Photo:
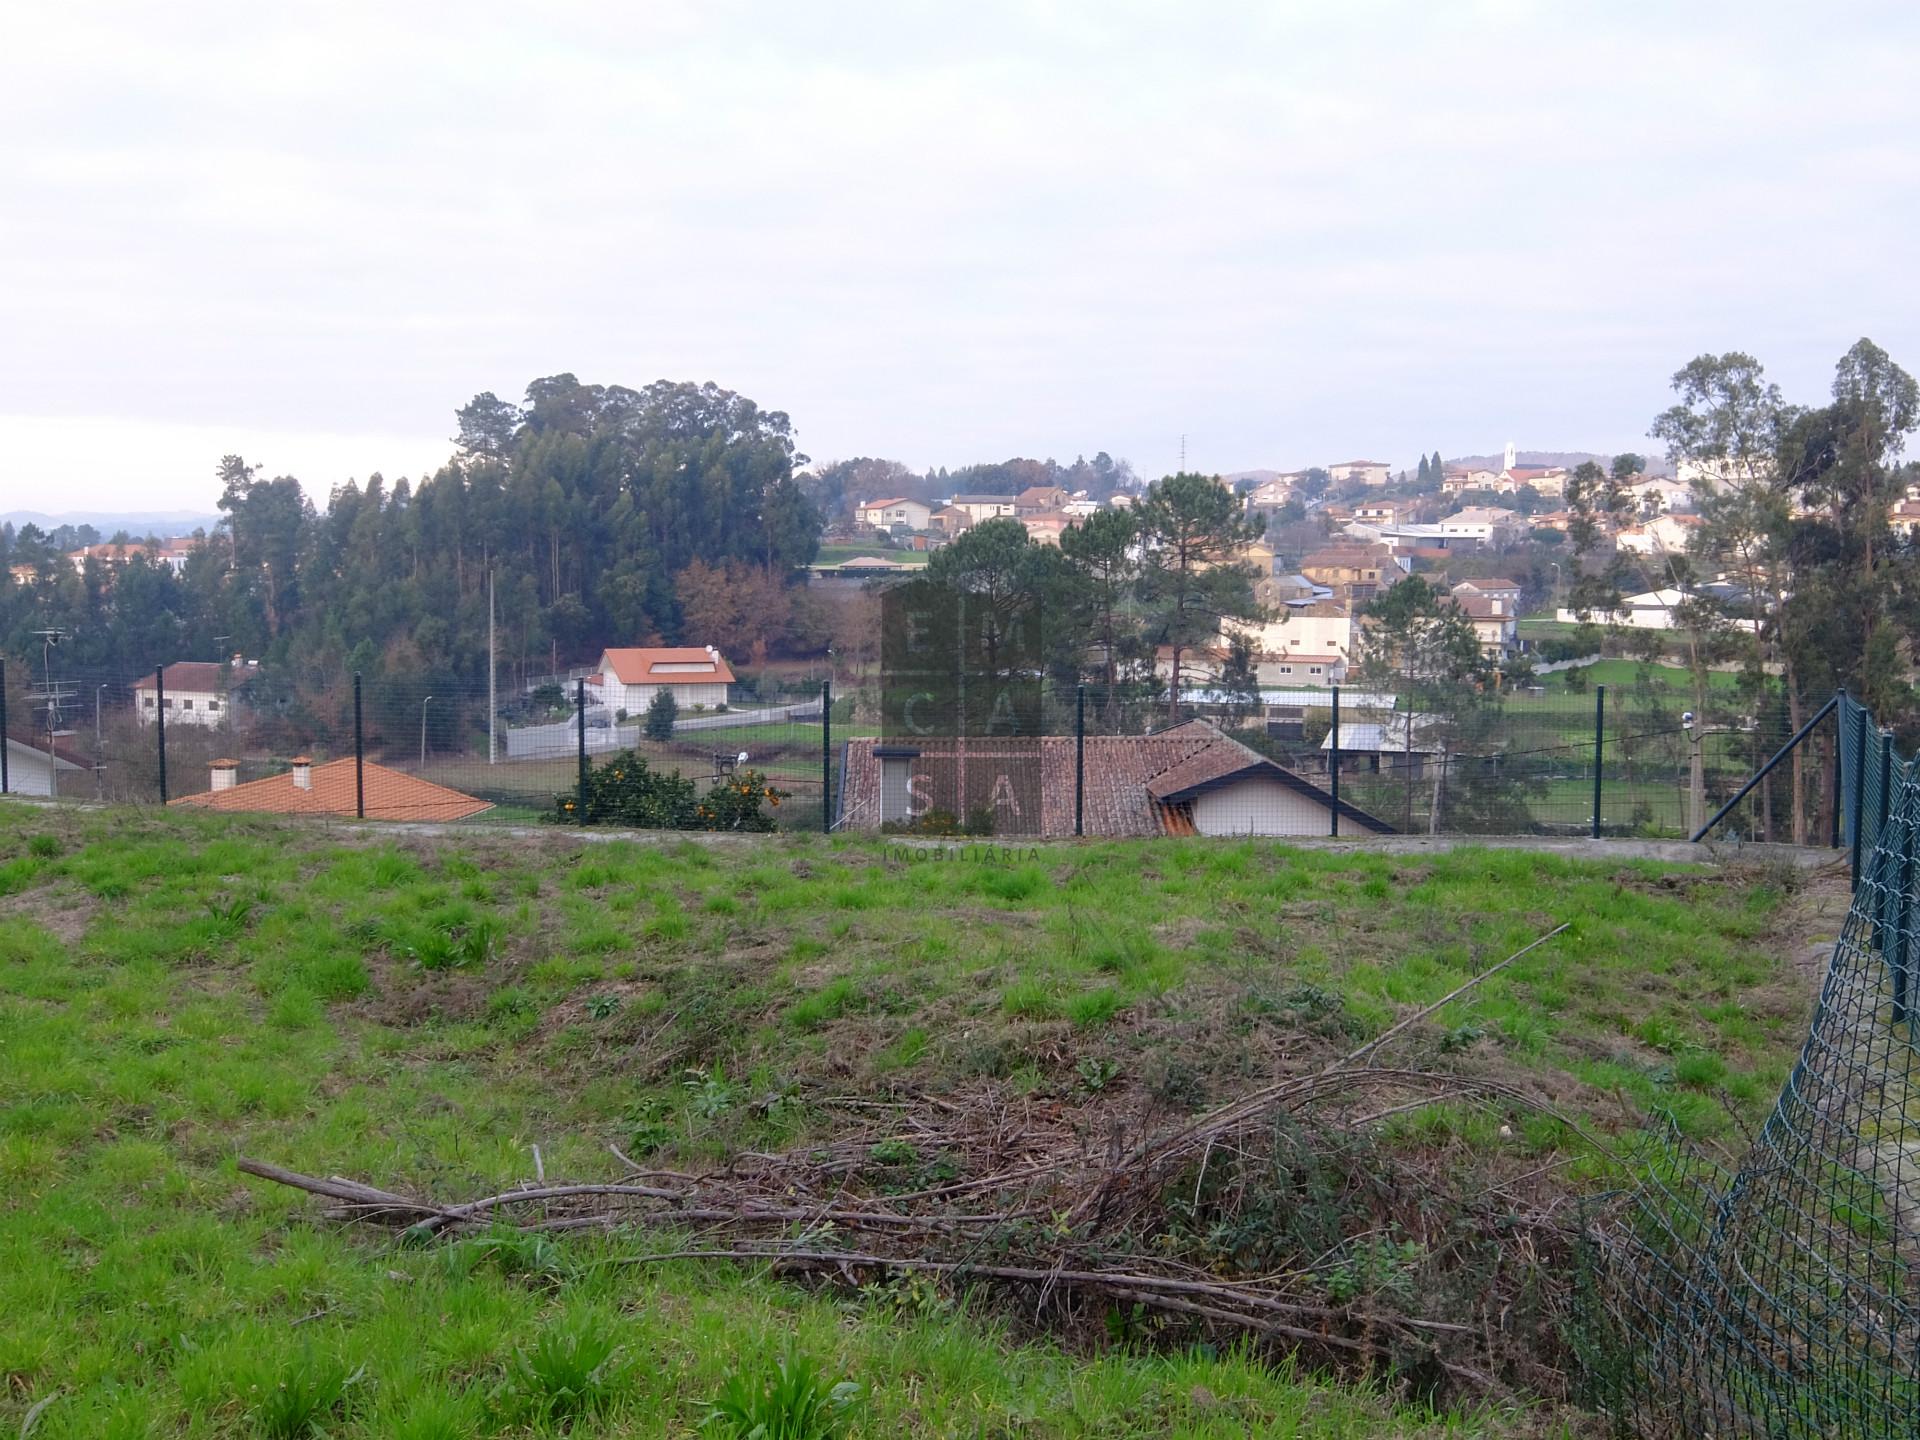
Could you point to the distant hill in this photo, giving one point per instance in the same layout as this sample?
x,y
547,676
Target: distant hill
x,y
1656,464
162,523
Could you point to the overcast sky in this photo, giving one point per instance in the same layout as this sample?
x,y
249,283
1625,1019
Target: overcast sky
x,y
1295,233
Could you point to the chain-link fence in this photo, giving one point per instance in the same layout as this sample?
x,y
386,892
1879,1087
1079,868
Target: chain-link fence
x,y
1781,1297
1602,759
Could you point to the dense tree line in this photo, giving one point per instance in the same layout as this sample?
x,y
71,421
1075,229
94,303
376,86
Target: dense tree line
x,y
601,512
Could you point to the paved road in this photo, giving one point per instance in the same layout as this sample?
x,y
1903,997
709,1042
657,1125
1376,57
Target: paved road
x,y
539,742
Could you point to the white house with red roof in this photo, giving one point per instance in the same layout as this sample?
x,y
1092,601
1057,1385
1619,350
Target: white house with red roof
x,y
896,510
692,674
196,692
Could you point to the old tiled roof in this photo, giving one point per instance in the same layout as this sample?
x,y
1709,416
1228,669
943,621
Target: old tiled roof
x,y
391,795
196,677
641,666
1136,785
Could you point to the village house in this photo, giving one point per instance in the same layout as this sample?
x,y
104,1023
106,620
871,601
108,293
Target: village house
x,y
1547,481
949,520
1040,500
1383,510
1289,589
1189,780
1494,624
1367,472
335,788
1662,535
1324,628
1653,495
1400,744
1503,591
1655,609
1354,572
1301,669
1045,527
1488,524
983,507
885,514
198,692
693,675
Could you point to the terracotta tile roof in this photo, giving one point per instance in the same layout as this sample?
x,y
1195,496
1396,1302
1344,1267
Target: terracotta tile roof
x,y
882,504
197,677
391,795
1136,785
642,666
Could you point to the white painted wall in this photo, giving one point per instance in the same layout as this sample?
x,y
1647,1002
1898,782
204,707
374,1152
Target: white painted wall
x,y
634,699
1258,806
184,707
28,770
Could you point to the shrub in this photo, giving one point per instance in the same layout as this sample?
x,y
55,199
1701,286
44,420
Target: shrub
x,y
625,790
309,1391
793,1403
662,711
570,1370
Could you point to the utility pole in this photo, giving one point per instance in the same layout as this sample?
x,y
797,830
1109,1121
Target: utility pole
x,y
423,730
493,707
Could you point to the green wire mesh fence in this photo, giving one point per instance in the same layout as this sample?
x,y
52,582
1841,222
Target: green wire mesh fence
x,y
1781,1298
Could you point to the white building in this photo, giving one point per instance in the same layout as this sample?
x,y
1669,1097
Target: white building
x,y
1318,630
198,692
1655,496
1662,535
630,678
1367,472
1486,523
885,514
34,770
984,507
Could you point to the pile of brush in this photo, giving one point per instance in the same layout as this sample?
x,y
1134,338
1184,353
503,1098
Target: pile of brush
x,y
1279,1216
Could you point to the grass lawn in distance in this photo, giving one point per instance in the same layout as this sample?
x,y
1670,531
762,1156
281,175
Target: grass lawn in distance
x,y
177,990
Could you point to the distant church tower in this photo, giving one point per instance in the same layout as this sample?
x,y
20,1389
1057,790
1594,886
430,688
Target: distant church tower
x,y
1509,457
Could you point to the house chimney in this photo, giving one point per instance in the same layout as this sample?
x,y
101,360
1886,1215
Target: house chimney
x,y
222,774
302,772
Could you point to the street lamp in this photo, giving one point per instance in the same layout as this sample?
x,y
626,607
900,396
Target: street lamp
x,y
423,730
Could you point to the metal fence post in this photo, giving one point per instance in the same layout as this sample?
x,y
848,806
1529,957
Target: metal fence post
x,y
1079,759
1839,773
1599,744
826,757
1857,812
3,727
1902,917
160,724
1333,768
359,756
580,728
1886,780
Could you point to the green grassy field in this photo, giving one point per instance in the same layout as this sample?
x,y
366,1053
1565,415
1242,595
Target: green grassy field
x,y
834,554
1624,674
178,990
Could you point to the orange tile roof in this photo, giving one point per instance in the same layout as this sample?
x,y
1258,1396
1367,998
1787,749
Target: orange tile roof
x,y
391,795
199,677
637,666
